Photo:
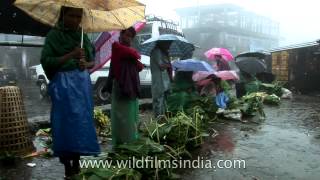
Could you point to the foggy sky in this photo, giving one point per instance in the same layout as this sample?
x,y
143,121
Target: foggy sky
x,y
299,20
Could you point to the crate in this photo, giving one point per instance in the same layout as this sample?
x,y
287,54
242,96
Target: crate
x,y
15,135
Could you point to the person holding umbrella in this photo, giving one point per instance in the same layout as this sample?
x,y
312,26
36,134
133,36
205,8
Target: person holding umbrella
x,y
161,71
159,49
65,64
221,64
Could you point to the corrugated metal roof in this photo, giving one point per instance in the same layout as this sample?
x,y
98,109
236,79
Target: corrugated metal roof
x,y
294,46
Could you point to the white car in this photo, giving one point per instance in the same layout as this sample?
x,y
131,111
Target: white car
x,y
37,74
155,27
98,80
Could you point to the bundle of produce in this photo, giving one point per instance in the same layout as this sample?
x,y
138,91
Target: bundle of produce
x,y
180,101
109,173
102,122
270,89
272,100
206,106
144,150
179,131
252,104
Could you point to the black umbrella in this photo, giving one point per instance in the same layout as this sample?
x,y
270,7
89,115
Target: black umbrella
x,y
251,65
15,21
260,55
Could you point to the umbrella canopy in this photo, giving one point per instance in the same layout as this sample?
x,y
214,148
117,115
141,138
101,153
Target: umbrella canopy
x,y
251,65
179,46
99,15
191,65
103,45
226,55
224,75
260,55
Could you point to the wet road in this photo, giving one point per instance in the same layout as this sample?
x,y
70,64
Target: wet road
x,y
36,106
285,146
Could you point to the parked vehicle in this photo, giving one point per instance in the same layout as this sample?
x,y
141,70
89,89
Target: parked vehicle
x,y
37,74
99,79
155,27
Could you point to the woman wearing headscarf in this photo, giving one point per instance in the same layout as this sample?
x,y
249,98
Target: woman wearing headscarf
x,y
65,65
125,67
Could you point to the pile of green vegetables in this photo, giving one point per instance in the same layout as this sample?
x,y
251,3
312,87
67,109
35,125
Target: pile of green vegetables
x,y
173,137
167,139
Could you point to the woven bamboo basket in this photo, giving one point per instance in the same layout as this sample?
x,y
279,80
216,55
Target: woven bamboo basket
x,y
15,136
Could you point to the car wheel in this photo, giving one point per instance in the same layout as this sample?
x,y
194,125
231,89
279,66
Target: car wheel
x,y
43,87
102,97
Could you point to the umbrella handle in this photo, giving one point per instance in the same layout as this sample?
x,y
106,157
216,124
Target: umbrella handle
x,y
81,45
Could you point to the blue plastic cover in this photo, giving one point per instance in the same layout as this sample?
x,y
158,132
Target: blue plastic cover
x,y
221,100
72,122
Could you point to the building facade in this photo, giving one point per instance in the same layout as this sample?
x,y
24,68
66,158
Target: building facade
x,y
228,26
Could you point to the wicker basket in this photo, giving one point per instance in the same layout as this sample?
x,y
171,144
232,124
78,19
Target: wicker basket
x,y
15,136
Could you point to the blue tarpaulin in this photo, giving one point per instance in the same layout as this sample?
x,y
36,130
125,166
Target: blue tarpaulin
x,y
72,123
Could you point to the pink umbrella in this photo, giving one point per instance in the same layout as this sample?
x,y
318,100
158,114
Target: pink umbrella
x,y
104,43
227,75
224,75
226,55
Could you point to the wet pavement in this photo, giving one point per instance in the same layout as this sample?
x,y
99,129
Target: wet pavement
x,y
37,107
285,146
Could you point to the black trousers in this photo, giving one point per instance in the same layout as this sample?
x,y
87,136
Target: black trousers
x,y
71,164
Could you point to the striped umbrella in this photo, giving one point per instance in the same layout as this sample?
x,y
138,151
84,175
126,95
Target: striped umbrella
x,y
179,46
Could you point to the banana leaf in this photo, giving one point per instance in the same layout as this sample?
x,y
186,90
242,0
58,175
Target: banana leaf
x,y
143,146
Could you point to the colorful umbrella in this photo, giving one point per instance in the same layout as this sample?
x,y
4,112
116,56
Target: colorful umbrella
x,y
104,43
99,15
191,65
179,46
224,75
226,55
